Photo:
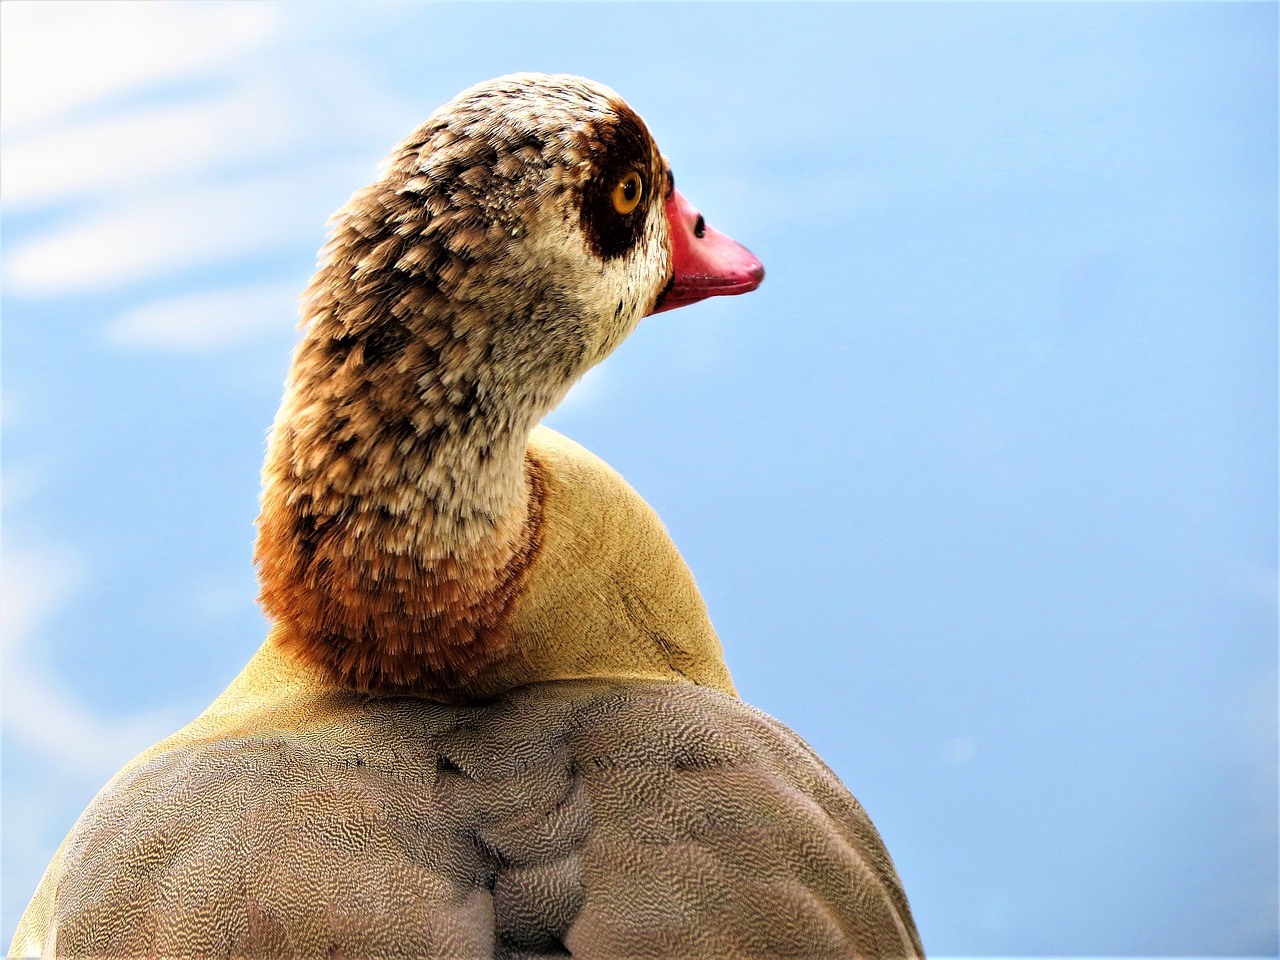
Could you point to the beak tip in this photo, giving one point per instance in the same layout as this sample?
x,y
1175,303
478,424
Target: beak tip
x,y
704,262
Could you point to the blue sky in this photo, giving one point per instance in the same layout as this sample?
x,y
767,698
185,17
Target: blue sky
x,y
980,486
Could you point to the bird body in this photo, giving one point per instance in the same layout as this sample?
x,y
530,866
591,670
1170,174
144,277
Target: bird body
x,y
492,717
580,818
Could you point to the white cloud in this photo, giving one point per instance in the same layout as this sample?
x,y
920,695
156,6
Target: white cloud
x,y
961,751
37,710
35,584
19,484
166,232
208,319
124,151
147,198
58,56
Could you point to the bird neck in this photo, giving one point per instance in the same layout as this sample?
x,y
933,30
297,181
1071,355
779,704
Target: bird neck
x,y
399,516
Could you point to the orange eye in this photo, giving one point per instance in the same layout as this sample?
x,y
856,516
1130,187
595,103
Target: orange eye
x,y
627,194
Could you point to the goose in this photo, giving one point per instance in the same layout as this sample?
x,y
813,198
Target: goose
x,y
491,718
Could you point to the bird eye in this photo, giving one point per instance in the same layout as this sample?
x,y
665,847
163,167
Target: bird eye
x,y
627,194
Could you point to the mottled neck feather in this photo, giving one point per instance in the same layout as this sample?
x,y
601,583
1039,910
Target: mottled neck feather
x,y
381,567
352,597
399,511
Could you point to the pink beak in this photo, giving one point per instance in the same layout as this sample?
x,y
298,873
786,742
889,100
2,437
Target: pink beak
x,y
704,262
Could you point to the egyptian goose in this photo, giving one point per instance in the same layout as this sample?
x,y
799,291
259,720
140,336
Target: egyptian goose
x,y
492,718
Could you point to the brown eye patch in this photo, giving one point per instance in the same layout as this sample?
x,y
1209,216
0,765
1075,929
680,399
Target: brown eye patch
x,y
625,151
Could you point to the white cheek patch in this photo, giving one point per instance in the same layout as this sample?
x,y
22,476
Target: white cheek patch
x,y
629,286
609,296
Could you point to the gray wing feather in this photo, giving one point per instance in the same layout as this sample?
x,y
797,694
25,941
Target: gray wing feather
x,y
564,819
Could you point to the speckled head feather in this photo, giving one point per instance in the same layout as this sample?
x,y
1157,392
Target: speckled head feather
x,y
458,299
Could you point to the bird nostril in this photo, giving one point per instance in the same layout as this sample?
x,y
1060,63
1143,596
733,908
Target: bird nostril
x,y
700,228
